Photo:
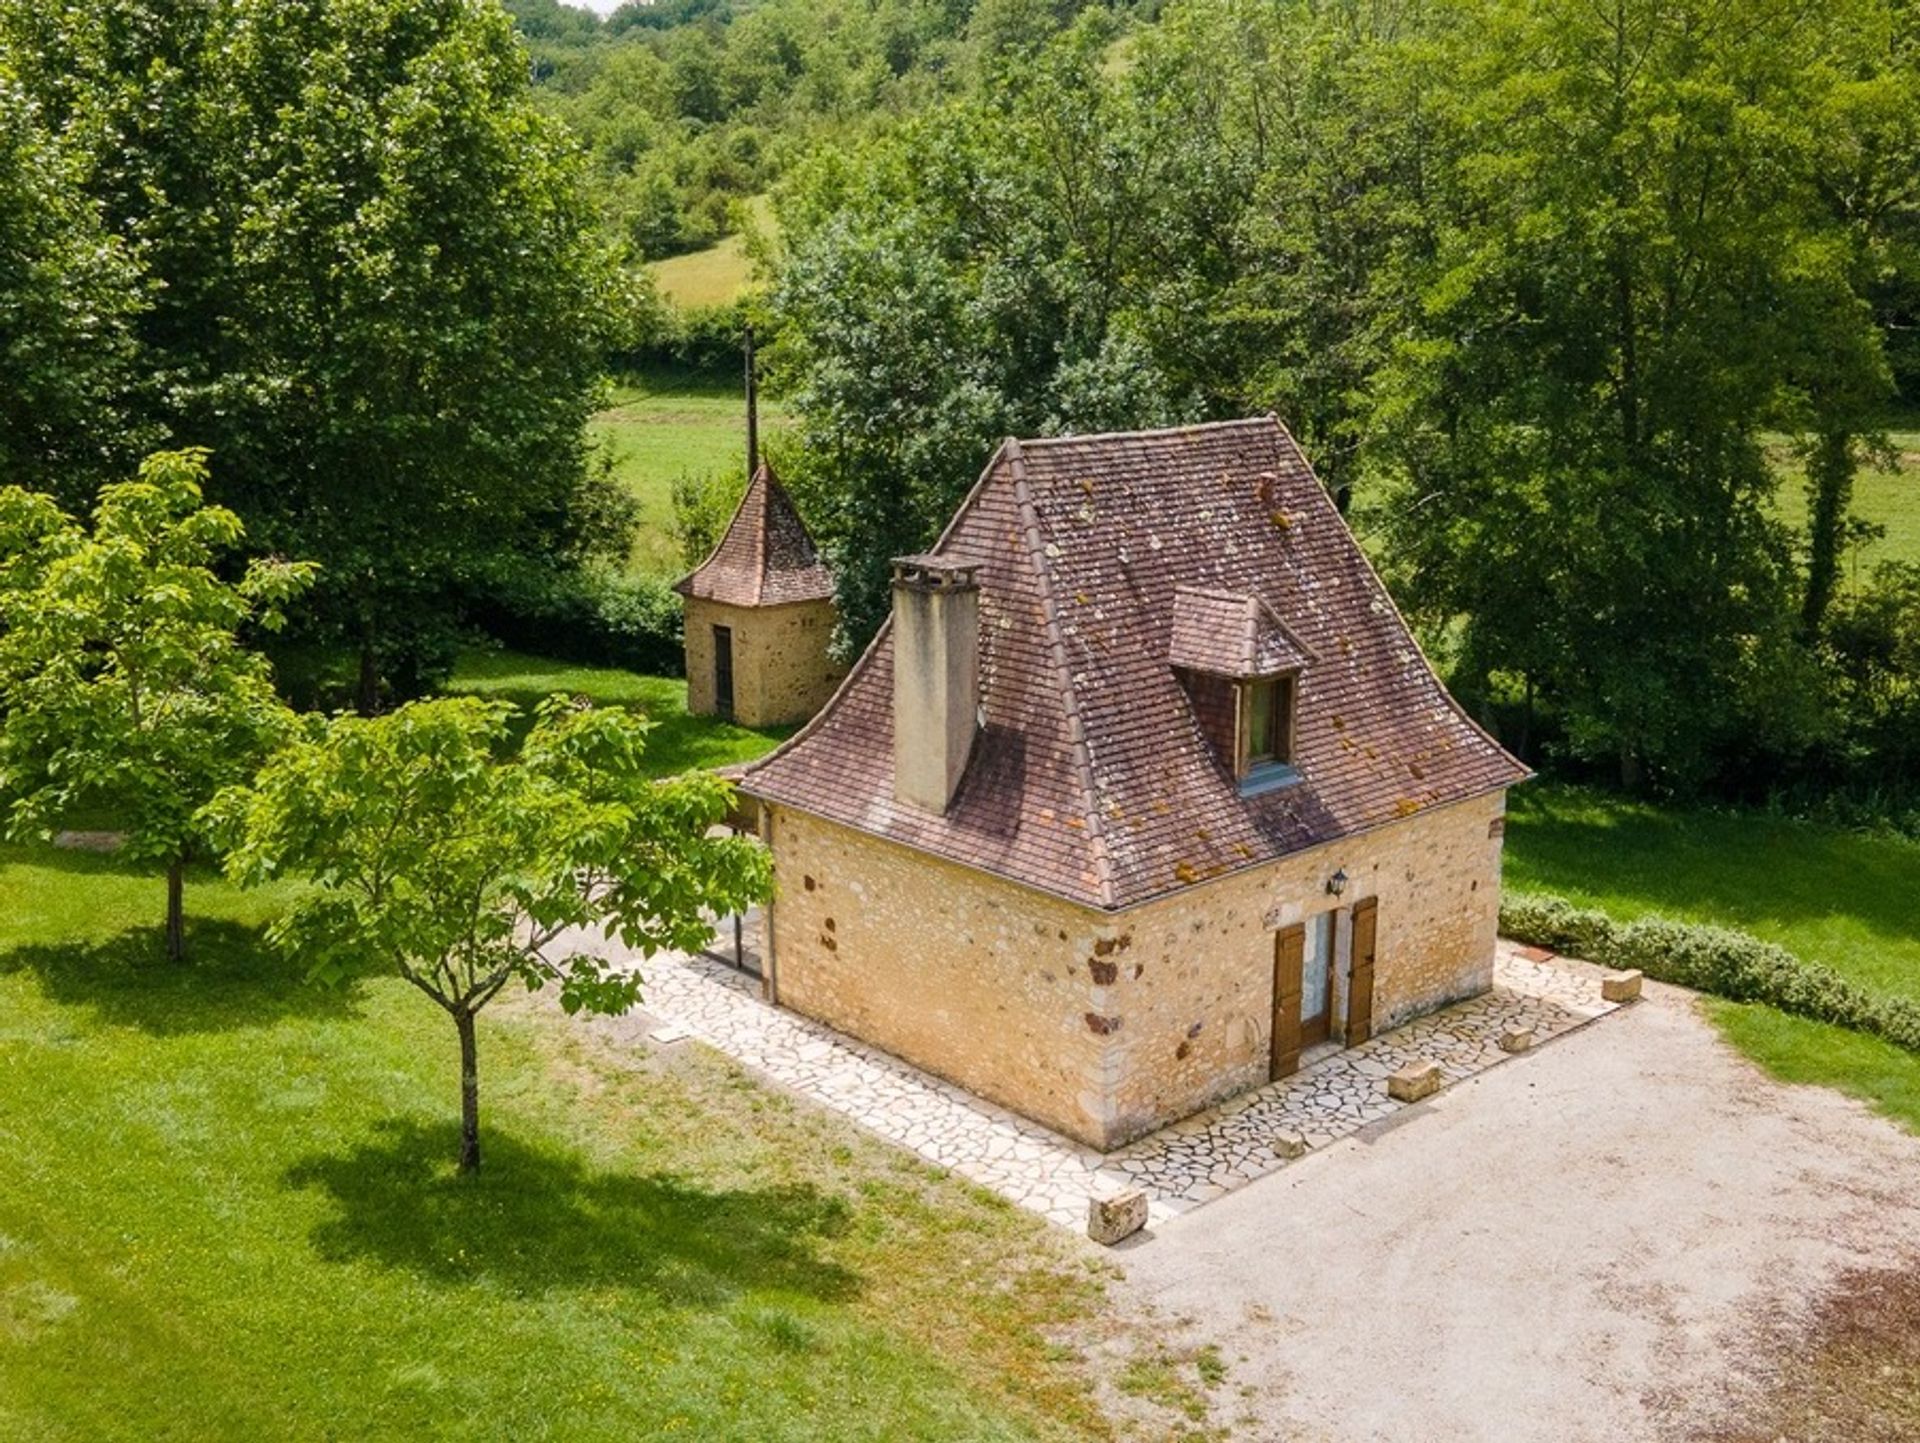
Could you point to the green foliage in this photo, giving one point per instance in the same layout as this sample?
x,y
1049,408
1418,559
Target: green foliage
x,y
678,741
435,857
377,290
125,688
1719,960
67,300
595,615
702,507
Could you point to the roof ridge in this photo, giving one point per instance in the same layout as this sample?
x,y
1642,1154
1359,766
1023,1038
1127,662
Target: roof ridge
x,y
1069,695
1191,428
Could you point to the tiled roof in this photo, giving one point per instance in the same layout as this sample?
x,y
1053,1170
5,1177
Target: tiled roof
x,y
1092,778
766,558
1230,633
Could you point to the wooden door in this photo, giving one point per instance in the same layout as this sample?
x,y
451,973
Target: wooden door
x,y
1360,981
723,670
1289,953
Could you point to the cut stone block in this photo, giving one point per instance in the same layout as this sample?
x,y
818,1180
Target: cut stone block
x,y
668,1034
1621,986
1109,1219
89,841
1414,1081
1516,1039
1287,1145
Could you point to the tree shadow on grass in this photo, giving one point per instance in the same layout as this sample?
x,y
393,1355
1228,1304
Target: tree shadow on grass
x,y
537,1218
230,980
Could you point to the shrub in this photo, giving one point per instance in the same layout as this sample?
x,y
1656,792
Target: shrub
x,y
595,615
1727,963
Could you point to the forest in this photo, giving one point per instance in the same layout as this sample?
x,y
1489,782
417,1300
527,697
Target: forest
x,y
1603,322
1598,315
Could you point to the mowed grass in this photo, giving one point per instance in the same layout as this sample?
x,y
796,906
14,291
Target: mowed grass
x,y
227,1211
1846,899
662,427
1843,899
677,742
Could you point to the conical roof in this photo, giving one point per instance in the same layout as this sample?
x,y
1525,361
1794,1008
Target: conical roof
x,y
766,557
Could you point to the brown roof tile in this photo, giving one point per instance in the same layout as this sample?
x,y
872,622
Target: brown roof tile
x,y
1091,778
1230,633
766,557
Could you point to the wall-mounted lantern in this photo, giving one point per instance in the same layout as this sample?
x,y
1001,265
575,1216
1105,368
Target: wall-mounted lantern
x,y
1337,883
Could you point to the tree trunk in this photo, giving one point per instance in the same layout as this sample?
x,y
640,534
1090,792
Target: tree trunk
x,y
469,1093
1633,774
176,910
366,699
1829,496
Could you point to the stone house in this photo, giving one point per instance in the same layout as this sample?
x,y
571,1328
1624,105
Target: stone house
x,y
760,616
1144,792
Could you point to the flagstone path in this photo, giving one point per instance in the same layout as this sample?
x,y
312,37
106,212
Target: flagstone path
x,y
1180,1167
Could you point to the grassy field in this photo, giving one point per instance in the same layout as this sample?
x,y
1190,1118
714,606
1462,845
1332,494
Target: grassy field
x,y
1886,496
717,275
1840,898
677,742
661,427
227,1211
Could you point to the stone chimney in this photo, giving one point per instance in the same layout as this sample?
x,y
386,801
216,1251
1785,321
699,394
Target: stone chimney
x,y
936,676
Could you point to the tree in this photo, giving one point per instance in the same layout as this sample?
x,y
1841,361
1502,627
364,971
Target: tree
x,y
67,297
124,684
463,871
379,294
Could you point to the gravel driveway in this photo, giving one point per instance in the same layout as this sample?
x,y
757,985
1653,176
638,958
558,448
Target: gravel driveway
x,y
1600,1241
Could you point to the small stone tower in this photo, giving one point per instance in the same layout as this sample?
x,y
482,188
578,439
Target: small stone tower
x,y
759,616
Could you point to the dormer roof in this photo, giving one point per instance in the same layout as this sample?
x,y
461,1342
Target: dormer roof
x,y
766,557
1092,777
1232,634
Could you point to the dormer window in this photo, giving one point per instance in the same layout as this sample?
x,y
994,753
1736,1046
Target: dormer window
x,y
1241,669
1266,709
1266,733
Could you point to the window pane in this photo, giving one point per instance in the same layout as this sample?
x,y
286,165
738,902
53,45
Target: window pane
x,y
1260,719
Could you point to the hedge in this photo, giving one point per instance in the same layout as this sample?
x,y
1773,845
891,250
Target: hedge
x,y
1735,965
593,615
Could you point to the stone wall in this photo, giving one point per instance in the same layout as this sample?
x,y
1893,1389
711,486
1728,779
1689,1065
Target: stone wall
x,y
1194,992
963,974
1101,1026
781,671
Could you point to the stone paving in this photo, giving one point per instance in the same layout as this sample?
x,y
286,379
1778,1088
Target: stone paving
x,y
1180,1167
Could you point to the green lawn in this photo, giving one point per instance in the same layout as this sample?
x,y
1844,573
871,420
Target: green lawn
x,y
662,427
227,1211
678,741
1849,900
1840,898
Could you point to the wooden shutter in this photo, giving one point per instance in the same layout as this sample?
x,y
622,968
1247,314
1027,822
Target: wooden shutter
x,y
1360,982
1289,952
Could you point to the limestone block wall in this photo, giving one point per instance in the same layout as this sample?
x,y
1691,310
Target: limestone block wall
x,y
781,671
1107,1026
959,972
1194,993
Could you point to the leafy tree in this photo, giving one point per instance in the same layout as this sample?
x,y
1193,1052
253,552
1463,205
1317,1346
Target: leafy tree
x,y
124,685
67,296
464,871
379,294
